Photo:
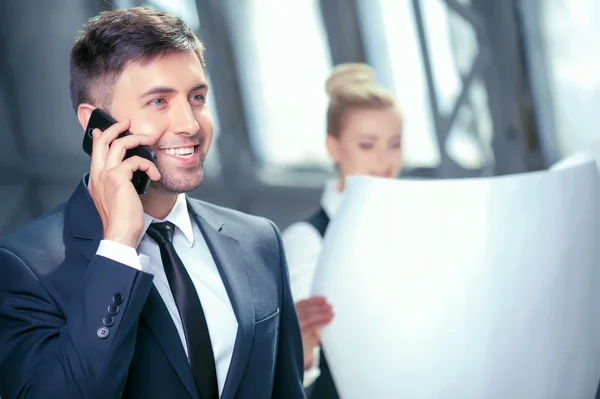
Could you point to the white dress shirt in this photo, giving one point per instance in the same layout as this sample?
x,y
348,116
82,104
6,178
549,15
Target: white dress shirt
x,y
303,244
195,255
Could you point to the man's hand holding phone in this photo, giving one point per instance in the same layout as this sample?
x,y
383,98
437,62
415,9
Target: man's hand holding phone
x,y
110,187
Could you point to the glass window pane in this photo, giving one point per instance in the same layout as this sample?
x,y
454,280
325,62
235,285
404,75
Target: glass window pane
x,y
184,9
285,62
409,83
570,33
469,141
453,47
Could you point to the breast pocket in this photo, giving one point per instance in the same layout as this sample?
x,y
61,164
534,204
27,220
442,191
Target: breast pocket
x,y
260,371
266,327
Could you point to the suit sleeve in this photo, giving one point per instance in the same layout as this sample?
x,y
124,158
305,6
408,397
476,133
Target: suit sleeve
x,y
47,351
290,365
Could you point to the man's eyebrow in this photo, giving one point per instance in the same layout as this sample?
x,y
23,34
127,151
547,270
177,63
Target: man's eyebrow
x,y
157,90
166,90
201,86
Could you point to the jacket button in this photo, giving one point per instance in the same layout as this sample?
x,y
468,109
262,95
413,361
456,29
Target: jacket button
x,y
118,298
113,310
103,332
108,321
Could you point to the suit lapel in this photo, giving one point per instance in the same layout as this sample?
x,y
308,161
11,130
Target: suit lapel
x,y
156,316
230,259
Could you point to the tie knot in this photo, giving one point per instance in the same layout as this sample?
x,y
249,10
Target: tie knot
x,y
161,232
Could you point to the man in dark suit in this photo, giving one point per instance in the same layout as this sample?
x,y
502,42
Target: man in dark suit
x,y
114,294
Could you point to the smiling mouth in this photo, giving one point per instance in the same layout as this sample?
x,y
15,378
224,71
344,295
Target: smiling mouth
x,y
181,152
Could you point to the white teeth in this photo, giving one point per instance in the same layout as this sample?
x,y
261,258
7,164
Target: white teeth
x,y
179,151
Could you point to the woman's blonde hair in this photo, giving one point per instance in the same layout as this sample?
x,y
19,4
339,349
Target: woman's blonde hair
x,y
353,85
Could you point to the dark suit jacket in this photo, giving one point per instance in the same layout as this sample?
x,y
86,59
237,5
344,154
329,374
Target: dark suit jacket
x,y
55,292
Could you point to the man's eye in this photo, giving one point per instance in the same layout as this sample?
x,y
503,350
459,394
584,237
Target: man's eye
x,y
199,97
158,101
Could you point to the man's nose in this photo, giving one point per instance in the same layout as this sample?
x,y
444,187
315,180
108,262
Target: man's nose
x,y
183,120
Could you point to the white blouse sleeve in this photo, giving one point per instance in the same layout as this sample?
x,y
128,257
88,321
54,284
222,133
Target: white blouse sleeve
x,y
302,244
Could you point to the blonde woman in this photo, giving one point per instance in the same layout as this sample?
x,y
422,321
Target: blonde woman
x,y
364,132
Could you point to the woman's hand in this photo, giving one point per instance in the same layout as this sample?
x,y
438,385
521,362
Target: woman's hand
x,y
313,314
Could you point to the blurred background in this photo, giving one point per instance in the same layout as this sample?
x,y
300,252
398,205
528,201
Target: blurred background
x,y
487,87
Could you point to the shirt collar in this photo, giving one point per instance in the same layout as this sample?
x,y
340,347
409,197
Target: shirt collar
x,y
331,197
179,216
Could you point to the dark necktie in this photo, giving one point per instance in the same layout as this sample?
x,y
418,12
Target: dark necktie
x,y
190,309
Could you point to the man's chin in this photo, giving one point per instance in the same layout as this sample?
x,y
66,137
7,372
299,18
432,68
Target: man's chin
x,y
177,185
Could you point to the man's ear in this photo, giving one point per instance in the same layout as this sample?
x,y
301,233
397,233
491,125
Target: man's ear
x,y
83,114
333,147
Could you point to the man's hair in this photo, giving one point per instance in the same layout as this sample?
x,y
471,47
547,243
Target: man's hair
x,y
113,39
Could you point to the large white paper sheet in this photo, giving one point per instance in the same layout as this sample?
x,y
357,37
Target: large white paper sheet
x,y
459,289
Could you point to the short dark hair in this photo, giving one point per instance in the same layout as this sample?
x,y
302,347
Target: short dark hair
x,y
113,39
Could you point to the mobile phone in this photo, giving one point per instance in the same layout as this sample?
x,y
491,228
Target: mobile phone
x,y
99,119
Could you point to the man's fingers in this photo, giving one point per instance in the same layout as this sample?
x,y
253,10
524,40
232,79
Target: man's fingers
x,y
101,143
119,147
130,165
